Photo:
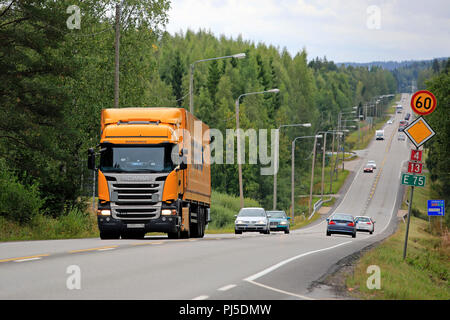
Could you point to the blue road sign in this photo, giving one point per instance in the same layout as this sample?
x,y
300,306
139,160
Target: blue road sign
x,y
436,208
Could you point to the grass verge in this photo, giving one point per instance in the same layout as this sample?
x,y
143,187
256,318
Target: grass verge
x,y
424,275
76,224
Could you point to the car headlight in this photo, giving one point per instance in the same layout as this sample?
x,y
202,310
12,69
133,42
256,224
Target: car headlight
x,y
283,222
239,222
261,222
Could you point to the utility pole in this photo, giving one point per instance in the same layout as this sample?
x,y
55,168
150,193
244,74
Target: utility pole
x,y
312,175
116,49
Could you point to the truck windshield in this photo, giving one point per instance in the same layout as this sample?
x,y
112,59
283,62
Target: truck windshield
x,y
137,158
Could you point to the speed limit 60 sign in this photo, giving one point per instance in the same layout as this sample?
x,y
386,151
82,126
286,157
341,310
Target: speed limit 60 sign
x,y
423,102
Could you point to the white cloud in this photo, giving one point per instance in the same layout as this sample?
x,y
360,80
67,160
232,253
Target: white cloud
x,y
335,28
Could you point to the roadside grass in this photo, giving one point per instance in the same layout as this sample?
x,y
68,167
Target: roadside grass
x,y
223,209
424,275
76,224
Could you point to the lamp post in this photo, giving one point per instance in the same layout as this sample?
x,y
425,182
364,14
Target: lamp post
x,y
191,76
323,155
238,135
275,174
343,141
293,169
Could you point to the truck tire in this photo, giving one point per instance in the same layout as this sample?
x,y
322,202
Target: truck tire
x,y
198,229
174,235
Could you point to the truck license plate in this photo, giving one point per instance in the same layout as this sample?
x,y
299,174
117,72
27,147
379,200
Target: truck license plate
x,y
135,225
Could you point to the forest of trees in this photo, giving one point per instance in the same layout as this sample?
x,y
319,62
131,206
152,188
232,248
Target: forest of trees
x,y
54,81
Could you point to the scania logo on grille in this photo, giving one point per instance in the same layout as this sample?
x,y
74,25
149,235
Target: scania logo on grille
x,y
135,178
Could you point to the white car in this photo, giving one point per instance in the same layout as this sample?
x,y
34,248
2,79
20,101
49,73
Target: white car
x,y
390,121
364,223
372,163
252,220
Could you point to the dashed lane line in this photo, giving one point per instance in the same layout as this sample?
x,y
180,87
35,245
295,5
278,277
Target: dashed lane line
x,y
28,258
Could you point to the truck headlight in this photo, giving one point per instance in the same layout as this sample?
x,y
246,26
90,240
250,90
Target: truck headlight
x,y
104,212
168,212
283,222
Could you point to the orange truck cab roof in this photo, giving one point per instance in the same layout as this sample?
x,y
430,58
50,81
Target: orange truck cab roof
x,y
140,125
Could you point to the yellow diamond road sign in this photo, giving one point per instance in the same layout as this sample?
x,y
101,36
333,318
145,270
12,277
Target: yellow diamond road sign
x,y
419,132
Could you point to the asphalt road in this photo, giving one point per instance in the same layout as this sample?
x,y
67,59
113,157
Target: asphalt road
x,y
224,266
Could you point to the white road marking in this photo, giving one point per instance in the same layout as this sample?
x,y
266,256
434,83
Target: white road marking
x,y
282,263
201,298
281,291
228,287
28,259
105,249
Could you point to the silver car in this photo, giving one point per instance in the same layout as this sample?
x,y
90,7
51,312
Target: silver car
x,y
372,163
364,223
252,220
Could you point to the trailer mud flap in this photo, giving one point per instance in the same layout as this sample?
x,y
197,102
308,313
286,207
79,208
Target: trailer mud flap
x,y
185,219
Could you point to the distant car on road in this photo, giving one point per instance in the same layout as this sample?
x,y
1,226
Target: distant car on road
x,y
401,137
368,168
364,223
408,115
390,121
278,221
372,163
341,223
253,220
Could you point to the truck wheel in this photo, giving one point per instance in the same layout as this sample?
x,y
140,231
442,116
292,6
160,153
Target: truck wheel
x,y
174,235
201,224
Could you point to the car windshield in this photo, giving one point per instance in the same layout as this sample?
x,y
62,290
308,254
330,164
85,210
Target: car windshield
x,y
362,219
277,214
250,212
122,158
340,216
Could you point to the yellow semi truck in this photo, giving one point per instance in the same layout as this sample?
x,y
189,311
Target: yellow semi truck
x,y
153,173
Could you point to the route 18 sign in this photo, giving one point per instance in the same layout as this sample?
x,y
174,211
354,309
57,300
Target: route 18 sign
x,y
423,102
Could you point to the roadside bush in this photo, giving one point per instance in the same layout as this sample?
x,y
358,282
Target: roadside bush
x,y
18,202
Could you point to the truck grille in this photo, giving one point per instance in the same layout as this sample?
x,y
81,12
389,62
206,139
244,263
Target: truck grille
x,y
136,200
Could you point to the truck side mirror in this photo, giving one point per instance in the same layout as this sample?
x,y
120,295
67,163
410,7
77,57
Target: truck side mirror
x,y
91,159
183,162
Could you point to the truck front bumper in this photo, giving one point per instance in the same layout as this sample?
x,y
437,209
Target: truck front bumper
x,y
161,224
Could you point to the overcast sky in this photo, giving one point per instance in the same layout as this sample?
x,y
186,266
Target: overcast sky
x,y
341,30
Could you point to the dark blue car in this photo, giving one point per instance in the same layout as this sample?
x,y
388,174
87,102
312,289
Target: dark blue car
x,y
341,223
278,221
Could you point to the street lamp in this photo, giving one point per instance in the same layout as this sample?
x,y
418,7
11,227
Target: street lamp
x,y
323,154
293,168
241,187
191,76
275,174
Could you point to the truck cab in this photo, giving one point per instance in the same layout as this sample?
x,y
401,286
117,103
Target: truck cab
x,y
379,135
